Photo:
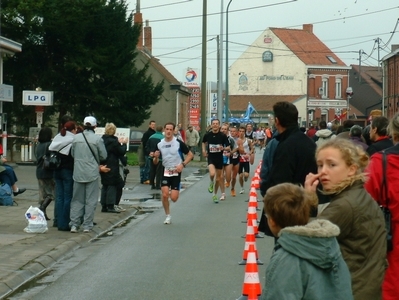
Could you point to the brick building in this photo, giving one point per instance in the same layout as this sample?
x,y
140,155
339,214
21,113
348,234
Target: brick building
x,y
390,65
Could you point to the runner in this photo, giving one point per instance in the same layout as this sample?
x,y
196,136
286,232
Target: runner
x,y
227,161
213,145
245,149
235,160
261,135
171,151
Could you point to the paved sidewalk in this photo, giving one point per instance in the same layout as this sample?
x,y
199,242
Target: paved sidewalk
x,y
24,256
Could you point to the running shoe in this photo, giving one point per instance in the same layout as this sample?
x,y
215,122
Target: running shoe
x,y
74,229
223,197
86,230
242,191
119,208
168,220
227,184
215,199
233,193
210,188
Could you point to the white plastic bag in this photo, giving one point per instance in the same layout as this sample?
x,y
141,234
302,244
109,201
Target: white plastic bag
x,y
36,221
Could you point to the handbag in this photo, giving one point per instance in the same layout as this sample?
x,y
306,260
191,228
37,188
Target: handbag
x,y
385,208
52,159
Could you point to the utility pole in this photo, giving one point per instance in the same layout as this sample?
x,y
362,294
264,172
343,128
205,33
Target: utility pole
x,y
203,74
220,99
360,65
220,69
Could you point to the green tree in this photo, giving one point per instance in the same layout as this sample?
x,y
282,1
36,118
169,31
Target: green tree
x,y
83,51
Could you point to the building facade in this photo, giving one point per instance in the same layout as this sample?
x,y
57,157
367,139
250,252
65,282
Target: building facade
x,y
292,64
390,65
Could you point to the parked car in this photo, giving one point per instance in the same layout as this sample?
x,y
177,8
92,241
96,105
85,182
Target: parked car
x,y
135,139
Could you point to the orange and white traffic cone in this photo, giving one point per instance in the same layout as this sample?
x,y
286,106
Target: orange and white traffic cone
x,y
250,241
251,289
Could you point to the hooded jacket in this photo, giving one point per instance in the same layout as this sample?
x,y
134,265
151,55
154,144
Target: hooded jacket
x,y
323,135
307,264
362,238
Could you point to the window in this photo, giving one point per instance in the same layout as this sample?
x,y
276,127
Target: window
x,y
338,88
324,85
331,59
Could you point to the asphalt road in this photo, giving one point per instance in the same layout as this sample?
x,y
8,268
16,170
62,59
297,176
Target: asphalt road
x,y
196,257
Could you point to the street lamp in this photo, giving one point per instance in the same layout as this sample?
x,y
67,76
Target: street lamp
x,y
349,94
227,61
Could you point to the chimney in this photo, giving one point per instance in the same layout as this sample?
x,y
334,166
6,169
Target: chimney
x,y
148,37
308,27
138,19
394,47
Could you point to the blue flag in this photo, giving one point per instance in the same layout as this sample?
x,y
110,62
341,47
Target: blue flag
x,y
250,110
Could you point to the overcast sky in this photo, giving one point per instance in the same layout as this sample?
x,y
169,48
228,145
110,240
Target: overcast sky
x,y
345,26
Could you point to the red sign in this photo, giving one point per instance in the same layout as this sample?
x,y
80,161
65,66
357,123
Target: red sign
x,y
195,107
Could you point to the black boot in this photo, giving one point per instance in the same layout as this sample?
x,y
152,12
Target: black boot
x,y
104,208
46,202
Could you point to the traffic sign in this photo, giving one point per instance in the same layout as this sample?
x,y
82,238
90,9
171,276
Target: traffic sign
x,y
6,93
41,98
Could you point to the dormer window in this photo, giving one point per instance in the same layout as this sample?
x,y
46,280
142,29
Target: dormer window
x,y
331,59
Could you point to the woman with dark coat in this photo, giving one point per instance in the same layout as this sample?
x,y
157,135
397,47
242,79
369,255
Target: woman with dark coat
x,y
111,180
44,177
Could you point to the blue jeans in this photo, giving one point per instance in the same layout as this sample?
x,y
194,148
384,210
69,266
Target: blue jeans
x,y
63,191
8,176
145,171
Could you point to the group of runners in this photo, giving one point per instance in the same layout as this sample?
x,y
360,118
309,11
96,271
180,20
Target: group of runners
x,y
229,151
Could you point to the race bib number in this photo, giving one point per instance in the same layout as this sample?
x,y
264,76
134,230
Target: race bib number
x,y
235,155
170,172
214,148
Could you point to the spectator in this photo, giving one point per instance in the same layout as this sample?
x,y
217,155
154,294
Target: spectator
x,y
182,133
323,134
192,139
307,262
44,177
112,180
311,131
294,155
379,136
362,238
347,125
156,170
355,135
88,151
145,170
390,286
63,176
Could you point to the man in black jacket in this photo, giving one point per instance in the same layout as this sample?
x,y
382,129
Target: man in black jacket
x,y
145,170
294,156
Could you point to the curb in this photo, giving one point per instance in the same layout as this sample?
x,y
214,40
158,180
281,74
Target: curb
x,y
44,262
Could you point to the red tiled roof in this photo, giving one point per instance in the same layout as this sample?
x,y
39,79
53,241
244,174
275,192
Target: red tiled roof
x,y
307,46
262,103
160,68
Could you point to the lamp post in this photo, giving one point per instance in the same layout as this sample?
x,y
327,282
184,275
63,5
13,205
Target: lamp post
x,y
227,61
349,94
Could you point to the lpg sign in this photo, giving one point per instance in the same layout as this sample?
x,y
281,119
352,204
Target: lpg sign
x,y
39,98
